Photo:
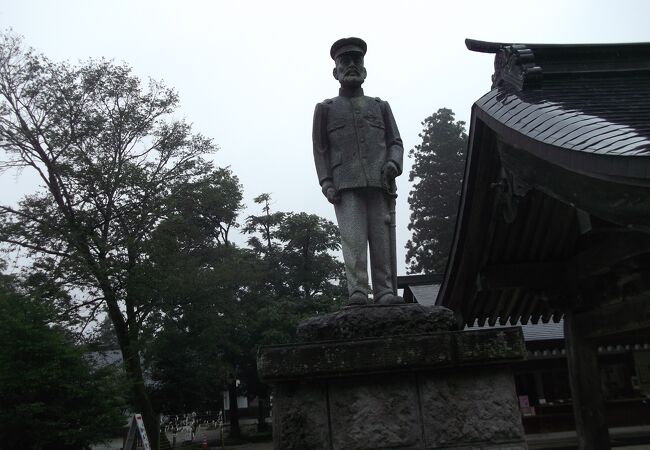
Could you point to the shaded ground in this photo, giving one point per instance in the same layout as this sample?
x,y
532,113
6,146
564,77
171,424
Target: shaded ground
x,y
627,438
256,446
269,446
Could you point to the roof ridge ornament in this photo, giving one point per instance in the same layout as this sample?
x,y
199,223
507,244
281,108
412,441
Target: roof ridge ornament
x,y
515,65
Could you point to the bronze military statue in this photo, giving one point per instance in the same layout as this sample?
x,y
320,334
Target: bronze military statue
x,y
358,153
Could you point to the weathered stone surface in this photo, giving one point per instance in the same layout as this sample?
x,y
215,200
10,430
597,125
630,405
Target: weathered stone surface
x,y
449,390
389,354
341,358
517,446
376,321
300,419
375,414
469,408
489,345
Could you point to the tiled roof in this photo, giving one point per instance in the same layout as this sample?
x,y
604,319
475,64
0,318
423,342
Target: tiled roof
x,y
426,295
558,169
602,115
592,99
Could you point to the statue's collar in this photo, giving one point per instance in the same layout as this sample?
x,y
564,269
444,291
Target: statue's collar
x,y
351,92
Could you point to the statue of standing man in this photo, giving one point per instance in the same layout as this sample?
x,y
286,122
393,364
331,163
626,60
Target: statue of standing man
x,y
358,153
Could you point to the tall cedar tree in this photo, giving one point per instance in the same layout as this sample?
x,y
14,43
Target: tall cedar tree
x,y
109,157
437,173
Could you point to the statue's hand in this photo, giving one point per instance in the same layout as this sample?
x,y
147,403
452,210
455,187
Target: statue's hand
x,y
388,174
332,195
329,191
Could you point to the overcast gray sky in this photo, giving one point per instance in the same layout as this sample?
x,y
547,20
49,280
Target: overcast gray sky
x,y
250,72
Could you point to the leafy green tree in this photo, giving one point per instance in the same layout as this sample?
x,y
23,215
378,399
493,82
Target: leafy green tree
x,y
297,276
265,224
312,272
437,176
196,336
51,398
103,336
111,159
198,277
296,252
209,206
198,341
218,303
309,281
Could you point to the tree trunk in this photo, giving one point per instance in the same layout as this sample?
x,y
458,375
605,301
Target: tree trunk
x,y
141,400
235,431
262,402
133,369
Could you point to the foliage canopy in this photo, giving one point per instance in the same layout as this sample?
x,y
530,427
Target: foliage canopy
x,y
50,395
110,158
131,221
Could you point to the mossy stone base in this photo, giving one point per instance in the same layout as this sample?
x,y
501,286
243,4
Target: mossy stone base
x,y
444,390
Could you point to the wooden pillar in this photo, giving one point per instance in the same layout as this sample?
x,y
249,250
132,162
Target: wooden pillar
x,y
586,391
539,386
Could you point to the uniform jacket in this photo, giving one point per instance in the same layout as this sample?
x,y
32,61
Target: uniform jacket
x,y
353,137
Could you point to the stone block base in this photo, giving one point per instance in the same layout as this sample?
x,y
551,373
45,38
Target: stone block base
x,y
451,410
446,390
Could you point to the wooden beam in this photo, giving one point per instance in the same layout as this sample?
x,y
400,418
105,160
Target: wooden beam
x,y
548,276
600,257
584,221
521,306
556,275
527,313
586,392
513,306
625,315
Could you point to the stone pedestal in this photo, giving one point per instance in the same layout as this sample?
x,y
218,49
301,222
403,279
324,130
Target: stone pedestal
x,y
429,389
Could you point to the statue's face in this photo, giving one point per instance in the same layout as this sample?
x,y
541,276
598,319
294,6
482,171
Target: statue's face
x,y
349,69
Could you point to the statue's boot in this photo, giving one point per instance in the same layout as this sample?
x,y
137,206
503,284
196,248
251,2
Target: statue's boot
x,y
357,299
390,299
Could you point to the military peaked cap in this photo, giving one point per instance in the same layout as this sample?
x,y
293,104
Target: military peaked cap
x,y
345,45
